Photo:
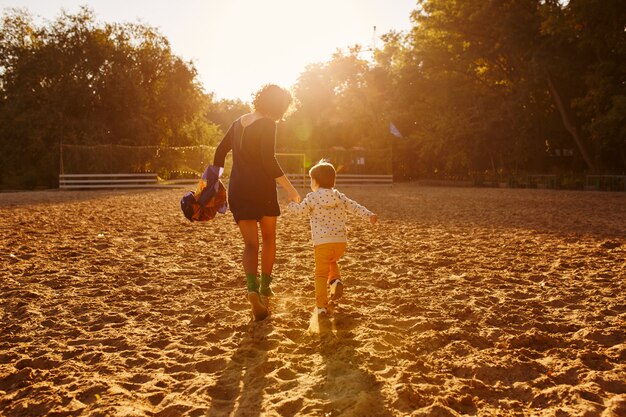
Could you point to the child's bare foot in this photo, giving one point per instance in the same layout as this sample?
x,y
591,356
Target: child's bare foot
x,y
259,311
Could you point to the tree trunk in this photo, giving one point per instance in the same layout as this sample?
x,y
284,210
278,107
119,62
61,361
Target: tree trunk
x,y
567,122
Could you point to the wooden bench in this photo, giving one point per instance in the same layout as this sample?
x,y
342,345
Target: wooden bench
x,y
85,181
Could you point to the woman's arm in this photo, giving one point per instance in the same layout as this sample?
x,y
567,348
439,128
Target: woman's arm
x,y
223,148
270,164
292,193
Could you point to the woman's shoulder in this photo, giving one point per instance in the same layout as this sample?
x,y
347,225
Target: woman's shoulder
x,y
250,119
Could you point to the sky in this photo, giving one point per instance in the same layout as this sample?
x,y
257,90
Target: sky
x,y
239,45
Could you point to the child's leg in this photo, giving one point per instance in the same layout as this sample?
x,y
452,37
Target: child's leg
x,y
334,274
337,250
326,257
322,268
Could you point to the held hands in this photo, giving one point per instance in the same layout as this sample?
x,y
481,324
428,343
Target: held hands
x,y
373,219
294,196
292,193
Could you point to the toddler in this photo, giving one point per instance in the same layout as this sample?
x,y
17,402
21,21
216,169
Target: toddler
x,y
327,210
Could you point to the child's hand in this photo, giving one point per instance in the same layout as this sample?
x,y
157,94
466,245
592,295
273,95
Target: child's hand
x,y
373,219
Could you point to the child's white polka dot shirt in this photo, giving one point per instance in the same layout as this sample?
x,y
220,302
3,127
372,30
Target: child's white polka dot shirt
x,y
327,209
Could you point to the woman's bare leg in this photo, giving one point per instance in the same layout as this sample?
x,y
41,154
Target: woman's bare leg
x,y
268,237
250,234
268,254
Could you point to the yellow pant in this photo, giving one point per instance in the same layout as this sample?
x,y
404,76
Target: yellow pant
x,y
326,269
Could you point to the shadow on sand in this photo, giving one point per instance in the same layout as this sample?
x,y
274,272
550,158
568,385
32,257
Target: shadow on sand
x,y
348,389
239,389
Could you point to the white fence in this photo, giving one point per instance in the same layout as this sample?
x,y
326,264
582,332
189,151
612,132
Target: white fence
x,y
151,180
346,180
111,181
83,181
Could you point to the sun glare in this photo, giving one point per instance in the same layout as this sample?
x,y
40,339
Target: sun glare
x,y
274,41
239,45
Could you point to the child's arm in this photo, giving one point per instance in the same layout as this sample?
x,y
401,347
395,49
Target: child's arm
x,y
357,209
302,207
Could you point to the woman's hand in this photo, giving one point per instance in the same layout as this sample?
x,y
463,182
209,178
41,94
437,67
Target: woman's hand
x,y
294,196
292,193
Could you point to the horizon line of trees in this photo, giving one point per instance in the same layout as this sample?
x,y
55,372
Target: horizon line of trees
x,y
479,87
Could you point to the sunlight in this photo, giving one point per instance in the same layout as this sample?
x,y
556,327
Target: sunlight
x,y
239,45
322,325
274,41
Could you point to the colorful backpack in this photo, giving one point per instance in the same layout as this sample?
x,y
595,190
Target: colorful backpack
x,y
208,199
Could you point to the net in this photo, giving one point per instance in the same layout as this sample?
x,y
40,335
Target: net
x,y
354,161
179,162
168,162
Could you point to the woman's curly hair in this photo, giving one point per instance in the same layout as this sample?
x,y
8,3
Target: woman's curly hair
x,y
272,101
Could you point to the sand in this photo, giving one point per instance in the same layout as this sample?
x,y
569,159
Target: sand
x,y
460,302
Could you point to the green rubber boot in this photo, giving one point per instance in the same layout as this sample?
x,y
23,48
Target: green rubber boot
x,y
265,289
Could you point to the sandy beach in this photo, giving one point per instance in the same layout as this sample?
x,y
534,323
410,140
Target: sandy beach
x,y
460,302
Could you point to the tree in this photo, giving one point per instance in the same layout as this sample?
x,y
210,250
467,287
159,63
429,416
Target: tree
x,y
340,113
82,82
224,112
503,85
589,36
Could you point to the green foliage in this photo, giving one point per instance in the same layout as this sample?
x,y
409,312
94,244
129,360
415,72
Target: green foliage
x,y
475,89
223,112
490,89
340,115
79,81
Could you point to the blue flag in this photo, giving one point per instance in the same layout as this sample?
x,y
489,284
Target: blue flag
x,y
394,130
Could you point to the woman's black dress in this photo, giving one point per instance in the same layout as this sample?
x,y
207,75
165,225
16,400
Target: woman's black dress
x,y
252,184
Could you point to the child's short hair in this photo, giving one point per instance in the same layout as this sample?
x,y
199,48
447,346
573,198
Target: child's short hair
x,y
324,174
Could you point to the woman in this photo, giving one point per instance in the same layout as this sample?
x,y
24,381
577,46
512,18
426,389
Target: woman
x,y
252,196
